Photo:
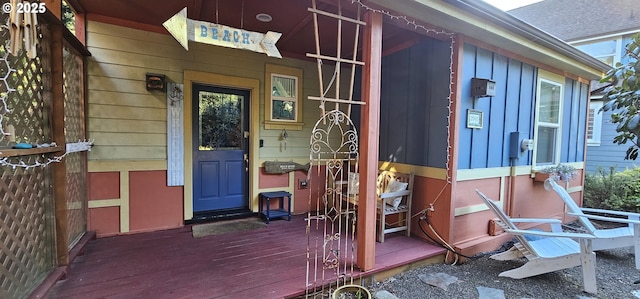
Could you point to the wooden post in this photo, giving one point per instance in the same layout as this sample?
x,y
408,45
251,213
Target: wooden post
x,y
55,6
369,139
57,127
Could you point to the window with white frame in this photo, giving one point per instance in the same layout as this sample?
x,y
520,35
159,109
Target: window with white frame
x,y
283,100
594,123
608,51
548,119
283,97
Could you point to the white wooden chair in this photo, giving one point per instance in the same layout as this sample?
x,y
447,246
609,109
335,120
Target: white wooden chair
x,y
396,190
605,238
555,250
394,193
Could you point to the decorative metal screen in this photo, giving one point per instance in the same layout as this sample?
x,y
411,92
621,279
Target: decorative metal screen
x,y
331,224
331,254
74,131
27,243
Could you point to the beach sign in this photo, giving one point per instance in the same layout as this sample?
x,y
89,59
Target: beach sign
x,y
184,30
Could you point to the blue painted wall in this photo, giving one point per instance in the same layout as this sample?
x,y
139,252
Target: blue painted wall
x,y
414,105
512,110
608,154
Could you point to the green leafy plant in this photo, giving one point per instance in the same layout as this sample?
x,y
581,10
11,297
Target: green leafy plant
x,y
560,172
68,17
607,189
623,98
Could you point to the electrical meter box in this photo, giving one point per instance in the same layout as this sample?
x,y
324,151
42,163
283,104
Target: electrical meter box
x,y
519,142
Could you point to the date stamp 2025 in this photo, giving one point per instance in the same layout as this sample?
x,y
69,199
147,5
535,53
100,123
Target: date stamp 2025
x,y
24,7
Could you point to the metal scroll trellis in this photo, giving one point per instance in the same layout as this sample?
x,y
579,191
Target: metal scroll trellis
x,y
331,230
331,227
334,152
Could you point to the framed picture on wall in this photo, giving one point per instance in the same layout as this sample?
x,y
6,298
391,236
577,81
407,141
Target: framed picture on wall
x,y
475,119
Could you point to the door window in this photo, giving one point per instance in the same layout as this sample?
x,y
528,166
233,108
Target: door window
x,y
220,120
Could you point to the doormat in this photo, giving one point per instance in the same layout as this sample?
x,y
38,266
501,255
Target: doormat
x,y
225,227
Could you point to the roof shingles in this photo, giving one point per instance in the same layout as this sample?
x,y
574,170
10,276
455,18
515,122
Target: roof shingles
x,y
572,20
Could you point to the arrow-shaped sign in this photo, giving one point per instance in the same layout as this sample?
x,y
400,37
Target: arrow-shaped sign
x,y
184,30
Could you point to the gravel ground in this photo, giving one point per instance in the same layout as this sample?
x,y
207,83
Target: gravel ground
x,y
615,271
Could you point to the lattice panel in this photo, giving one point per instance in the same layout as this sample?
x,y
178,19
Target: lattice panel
x,y
28,104
74,130
26,229
73,95
27,249
76,196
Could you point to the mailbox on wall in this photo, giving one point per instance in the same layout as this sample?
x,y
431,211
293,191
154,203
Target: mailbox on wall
x,y
482,87
155,82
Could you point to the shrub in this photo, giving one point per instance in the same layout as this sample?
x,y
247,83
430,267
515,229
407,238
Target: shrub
x,y
613,190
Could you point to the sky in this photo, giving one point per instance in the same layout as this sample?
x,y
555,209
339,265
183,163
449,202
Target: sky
x,y
510,4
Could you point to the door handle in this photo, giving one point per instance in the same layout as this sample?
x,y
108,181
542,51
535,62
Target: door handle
x,y
246,162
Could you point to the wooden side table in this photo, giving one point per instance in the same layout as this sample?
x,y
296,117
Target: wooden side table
x,y
281,212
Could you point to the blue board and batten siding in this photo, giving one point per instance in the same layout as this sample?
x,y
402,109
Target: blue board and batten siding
x,y
608,154
512,110
574,121
414,105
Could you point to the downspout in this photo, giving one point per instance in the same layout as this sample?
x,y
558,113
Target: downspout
x,y
512,187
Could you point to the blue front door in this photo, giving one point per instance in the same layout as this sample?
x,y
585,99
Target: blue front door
x,y
220,149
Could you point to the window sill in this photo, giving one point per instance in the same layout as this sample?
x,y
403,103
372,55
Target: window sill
x,y
279,125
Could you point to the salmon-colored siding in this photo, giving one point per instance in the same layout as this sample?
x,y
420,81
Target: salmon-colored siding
x,y
153,205
104,221
103,185
270,180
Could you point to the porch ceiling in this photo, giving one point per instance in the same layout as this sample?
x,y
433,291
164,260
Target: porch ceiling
x,y
290,17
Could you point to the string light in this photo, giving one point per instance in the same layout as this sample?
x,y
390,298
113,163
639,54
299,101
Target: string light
x,y
4,109
451,36
70,148
409,22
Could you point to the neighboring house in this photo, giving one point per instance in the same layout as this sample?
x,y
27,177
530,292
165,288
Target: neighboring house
x,y
455,91
601,28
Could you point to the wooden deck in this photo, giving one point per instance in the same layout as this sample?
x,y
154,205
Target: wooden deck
x,y
264,263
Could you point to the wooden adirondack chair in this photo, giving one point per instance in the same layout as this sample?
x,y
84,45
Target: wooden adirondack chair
x,y
555,250
605,238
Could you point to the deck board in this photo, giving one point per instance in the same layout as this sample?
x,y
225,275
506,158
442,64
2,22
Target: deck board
x,y
263,263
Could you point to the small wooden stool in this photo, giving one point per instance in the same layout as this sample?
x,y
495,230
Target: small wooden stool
x,y
281,212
